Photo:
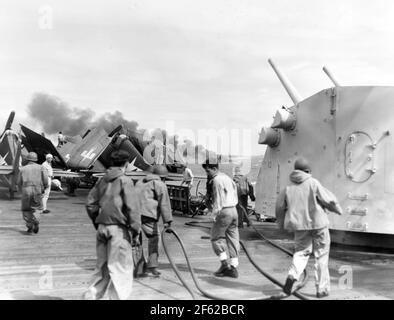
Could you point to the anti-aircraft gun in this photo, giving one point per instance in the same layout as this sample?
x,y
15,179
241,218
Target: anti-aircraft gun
x,y
346,134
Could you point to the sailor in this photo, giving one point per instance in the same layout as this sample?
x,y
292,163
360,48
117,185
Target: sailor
x,y
187,176
224,232
47,165
32,180
113,207
244,190
301,208
208,194
72,184
60,139
154,202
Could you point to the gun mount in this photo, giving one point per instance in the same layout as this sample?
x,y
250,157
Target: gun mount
x,y
345,134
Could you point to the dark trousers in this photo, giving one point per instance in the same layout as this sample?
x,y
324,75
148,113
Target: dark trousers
x,y
242,214
31,205
151,230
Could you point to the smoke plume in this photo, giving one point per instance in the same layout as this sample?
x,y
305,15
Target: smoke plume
x,y
55,115
110,121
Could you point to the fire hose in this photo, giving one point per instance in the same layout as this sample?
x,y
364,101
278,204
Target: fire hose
x,y
211,296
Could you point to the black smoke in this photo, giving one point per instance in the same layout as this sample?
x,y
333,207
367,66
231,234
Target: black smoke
x,y
55,115
110,121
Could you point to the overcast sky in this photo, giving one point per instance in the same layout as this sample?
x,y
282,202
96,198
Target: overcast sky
x,y
201,64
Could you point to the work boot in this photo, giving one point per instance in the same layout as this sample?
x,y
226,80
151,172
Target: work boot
x,y
289,285
232,272
322,294
224,266
36,228
154,271
29,229
142,275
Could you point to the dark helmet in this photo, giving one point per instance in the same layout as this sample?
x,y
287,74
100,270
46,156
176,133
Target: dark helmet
x,y
32,156
303,165
160,170
210,164
119,157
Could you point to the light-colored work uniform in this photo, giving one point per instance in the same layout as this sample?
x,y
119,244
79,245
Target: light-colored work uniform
x,y
301,208
48,168
113,206
61,139
188,177
32,181
224,232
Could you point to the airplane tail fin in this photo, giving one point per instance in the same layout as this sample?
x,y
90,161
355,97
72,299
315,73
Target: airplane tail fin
x,y
42,146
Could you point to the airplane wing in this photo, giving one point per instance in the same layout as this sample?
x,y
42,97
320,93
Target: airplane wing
x,y
67,174
179,177
83,155
4,170
74,139
97,167
42,146
134,174
142,174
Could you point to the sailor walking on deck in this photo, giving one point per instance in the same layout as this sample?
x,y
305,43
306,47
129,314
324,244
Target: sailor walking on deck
x,y
47,165
244,190
301,207
154,203
224,232
113,207
32,180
